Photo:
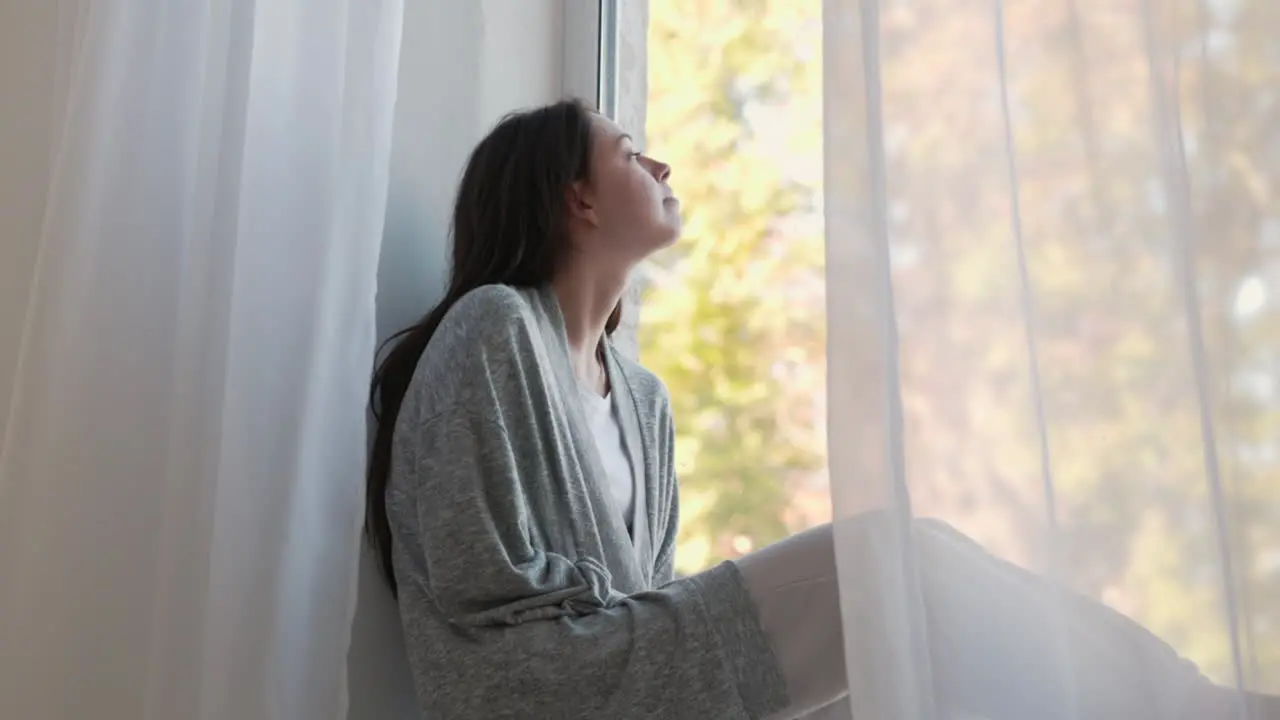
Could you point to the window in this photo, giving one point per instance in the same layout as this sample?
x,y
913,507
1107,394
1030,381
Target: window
x,y
733,320
730,96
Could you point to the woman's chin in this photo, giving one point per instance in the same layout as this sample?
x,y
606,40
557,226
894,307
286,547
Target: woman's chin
x,y
670,238
661,235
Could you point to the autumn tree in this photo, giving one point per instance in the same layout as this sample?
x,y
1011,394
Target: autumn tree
x,y
732,319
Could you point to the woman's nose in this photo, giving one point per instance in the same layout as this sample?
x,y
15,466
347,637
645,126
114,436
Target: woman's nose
x,y
660,170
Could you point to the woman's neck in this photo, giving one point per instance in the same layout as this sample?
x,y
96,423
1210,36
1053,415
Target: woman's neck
x,y
586,303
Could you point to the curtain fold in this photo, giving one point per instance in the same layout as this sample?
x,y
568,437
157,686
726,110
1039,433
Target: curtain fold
x,y
182,461
1053,251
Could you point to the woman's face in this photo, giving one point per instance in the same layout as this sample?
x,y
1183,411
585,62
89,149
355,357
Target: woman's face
x,y
628,201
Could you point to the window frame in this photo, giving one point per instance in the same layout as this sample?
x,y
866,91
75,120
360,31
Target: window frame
x,y
590,53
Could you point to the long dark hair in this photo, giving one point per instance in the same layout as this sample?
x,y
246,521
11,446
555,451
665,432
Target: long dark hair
x,y
509,228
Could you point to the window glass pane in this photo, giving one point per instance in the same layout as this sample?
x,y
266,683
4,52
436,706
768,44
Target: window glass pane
x,y
732,318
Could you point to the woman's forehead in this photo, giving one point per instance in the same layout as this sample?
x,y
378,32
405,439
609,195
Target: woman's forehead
x,y
606,127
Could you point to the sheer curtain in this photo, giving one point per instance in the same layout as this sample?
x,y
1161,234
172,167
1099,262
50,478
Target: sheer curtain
x,y
1053,259
180,474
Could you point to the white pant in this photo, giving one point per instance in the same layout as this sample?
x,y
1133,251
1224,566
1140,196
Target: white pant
x,y
991,637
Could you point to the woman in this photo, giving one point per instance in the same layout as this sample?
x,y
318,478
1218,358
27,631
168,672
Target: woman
x,y
522,496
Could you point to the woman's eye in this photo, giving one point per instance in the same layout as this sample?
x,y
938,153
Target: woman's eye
x,y
634,155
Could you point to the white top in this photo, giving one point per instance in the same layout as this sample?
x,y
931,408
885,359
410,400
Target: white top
x,y
613,453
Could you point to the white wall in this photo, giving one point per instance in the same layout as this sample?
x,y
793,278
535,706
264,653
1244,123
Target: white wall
x,y
462,67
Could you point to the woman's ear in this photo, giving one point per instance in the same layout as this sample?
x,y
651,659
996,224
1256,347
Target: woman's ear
x,y
579,204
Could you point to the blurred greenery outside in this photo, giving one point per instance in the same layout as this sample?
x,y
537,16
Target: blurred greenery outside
x,y
733,317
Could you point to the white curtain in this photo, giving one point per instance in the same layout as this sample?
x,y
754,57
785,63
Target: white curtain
x,y
181,475
1053,264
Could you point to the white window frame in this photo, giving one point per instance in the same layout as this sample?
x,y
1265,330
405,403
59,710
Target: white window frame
x,y
591,53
